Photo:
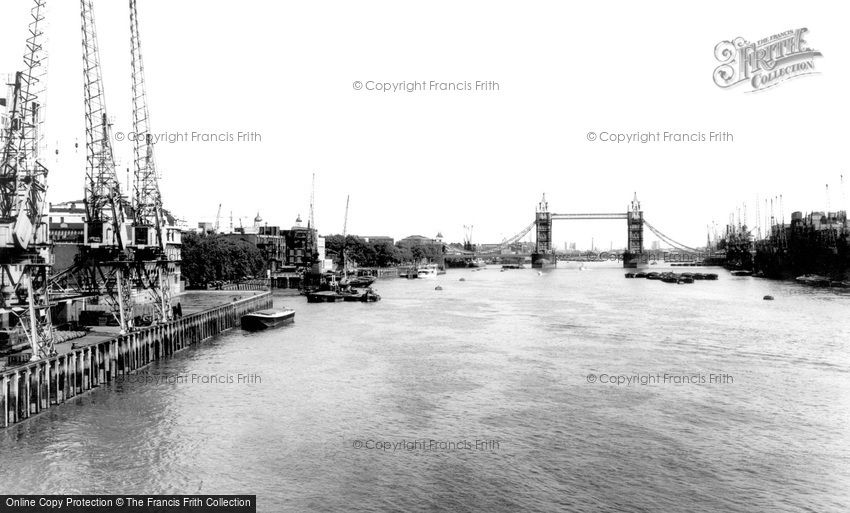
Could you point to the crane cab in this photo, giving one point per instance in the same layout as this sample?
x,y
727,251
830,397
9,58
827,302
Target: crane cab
x,y
21,234
143,236
98,234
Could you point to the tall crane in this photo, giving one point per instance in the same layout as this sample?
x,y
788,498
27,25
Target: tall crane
x,y
345,242
103,267
345,222
217,218
467,237
311,221
149,237
25,252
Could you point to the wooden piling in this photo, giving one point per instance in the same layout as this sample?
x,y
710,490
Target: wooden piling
x,y
34,387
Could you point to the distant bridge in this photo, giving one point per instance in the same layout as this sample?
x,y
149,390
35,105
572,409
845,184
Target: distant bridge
x,y
544,254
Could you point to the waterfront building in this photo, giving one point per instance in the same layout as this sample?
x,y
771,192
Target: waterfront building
x,y
270,240
418,240
431,249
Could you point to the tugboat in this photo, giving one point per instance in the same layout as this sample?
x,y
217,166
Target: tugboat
x,y
265,319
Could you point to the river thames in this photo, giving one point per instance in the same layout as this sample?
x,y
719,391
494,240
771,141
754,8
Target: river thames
x,y
510,391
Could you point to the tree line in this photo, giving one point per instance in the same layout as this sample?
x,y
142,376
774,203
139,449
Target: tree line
x,y
379,253
208,258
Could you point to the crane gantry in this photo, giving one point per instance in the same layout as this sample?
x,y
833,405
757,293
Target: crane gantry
x,y
124,239
25,255
102,268
152,264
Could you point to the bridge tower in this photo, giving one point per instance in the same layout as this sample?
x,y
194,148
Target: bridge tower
x,y
634,242
543,255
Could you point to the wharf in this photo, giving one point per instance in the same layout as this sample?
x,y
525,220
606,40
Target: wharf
x,y
191,302
101,356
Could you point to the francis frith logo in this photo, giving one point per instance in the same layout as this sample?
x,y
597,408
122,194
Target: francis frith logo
x,y
765,63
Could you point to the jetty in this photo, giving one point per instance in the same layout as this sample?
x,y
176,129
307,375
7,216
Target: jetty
x,y
96,360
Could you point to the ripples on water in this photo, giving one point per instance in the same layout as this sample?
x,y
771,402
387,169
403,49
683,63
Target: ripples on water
x,y
501,356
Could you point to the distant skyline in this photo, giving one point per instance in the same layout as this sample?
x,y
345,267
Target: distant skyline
x,y
429,161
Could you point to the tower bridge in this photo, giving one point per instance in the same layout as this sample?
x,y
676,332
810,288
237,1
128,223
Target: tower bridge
x,y
544,254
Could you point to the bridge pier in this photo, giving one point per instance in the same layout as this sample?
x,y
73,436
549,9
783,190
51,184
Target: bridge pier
x,y
634,243
543,255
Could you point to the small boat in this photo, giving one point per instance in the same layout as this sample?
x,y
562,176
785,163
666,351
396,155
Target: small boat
x,y
640,275
630,275
265,319
741,272
324,296
367,296
507,267
426,271
361,281
814,280
768,298
710,276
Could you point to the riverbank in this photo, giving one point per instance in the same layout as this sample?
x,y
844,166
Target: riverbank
x,y
101,356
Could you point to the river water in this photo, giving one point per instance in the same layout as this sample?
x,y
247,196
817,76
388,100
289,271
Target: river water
x,y
510,391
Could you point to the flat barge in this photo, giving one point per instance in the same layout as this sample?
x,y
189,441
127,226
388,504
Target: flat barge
x,y
265,319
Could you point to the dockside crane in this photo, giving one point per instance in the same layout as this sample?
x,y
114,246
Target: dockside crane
x,y
103,268
25,251
345,242
148,244
467,237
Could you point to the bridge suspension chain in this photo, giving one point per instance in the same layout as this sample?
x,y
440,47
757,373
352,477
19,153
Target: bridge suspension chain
x,y
668,240
518,236
510,240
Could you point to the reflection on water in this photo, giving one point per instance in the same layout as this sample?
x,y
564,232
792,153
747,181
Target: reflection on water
x,y
382,407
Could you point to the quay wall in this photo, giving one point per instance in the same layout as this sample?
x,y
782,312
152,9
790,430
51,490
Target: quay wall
x,y
36,386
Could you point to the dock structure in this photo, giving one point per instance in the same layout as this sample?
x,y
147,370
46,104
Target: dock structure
x,y
33,387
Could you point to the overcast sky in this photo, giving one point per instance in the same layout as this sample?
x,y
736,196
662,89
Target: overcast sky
x,y
418,163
